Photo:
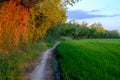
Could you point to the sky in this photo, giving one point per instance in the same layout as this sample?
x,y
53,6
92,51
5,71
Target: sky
x,y
107,12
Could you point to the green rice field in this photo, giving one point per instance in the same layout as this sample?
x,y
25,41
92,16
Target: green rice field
x,y
89,59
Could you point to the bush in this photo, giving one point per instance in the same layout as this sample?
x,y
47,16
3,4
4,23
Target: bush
x,y
65,38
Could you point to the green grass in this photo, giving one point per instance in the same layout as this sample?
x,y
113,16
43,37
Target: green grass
x,y
90,59
15,66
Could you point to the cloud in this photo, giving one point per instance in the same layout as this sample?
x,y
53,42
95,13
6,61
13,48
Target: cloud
x,y
95,10
79,14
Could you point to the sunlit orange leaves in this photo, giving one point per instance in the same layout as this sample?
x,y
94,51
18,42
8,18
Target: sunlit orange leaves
x,y
13,20
23,21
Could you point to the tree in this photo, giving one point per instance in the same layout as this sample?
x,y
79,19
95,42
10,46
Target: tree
x,y
23,21
13,18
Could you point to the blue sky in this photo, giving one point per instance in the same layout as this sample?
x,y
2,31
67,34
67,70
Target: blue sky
x,y
107,12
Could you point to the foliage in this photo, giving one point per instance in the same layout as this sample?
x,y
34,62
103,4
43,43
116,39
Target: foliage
x,y
64,38
69,2
63,29
24,21
22,24
77,31
94,59
44,15
13,18
15,66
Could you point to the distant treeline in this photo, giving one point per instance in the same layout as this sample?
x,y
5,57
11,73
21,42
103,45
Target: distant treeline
x,y
77,31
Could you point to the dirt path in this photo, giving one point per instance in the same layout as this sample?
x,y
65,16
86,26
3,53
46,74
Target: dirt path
x,y
44,70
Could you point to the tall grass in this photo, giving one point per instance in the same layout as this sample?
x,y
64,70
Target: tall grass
x,y
89,59
14,66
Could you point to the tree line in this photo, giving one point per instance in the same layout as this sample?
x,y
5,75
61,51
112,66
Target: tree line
x,y
78,31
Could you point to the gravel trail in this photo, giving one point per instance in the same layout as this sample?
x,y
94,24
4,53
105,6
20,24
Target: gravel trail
x,y
44,70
